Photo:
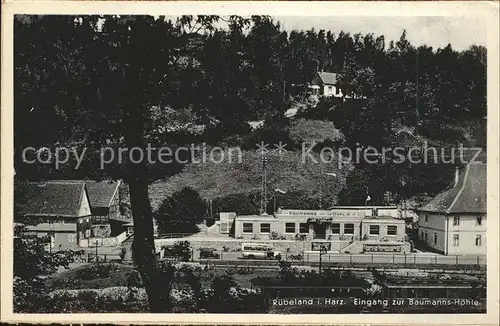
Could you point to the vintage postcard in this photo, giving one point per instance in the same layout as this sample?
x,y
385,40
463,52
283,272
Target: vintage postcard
x,y
237,162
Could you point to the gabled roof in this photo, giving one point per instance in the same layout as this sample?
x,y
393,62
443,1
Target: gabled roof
x,y
328,78
102,193
467,196
54,199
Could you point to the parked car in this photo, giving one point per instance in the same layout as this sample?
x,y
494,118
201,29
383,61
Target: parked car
x,y
209,253
259,251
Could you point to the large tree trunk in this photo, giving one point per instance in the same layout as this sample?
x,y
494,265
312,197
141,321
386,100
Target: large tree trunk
x,y
156,282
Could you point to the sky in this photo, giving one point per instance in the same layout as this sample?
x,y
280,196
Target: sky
x,y
460,32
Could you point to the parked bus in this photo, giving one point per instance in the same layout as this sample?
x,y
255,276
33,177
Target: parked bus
x,y
259,251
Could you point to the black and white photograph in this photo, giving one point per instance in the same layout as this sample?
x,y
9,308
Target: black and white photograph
x,y
249,164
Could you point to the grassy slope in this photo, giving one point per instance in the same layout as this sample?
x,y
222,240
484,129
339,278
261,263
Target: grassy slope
x,y
286,172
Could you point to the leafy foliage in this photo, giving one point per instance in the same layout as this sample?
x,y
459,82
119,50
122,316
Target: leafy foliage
x,y
181,212
132,80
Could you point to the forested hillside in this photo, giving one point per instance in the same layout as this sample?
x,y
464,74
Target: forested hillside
x,y
220,79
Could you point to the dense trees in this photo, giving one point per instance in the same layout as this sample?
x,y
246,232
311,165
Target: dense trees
x,y
181,212
129,81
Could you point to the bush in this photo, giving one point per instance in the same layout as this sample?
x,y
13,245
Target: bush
x,y
210,221
93,272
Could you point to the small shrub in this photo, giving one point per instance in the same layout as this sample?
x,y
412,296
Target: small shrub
x,y
93,272
210,221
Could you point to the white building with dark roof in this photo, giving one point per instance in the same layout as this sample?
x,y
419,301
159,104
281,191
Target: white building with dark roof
x,y
327,84
454,222
63,210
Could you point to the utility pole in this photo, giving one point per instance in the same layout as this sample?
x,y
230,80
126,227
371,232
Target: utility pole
x,y
322,250
263,201
96,254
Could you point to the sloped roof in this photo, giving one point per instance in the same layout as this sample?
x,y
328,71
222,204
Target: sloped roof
x,y
54,199
102,193
329,78
467,196
120,218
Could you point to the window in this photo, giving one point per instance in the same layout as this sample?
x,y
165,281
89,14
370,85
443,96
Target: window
x,y
265,228
335,228
426,218
392,230
422,235
456,220
349,228
425,236
374,229
478,240
289,227
304,228
247,227
100,219
435,238
223,227
455,240
479,220
71,237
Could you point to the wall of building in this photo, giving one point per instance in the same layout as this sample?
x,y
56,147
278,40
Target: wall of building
x,y
430,224
331,90
226,220
60,241
443,227
277,227
101,231
467,231
103,242
84,209
342,235
383,226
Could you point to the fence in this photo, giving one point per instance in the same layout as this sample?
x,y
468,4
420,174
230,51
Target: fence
x,y
312,258
407,259
173,235
99,258
103,242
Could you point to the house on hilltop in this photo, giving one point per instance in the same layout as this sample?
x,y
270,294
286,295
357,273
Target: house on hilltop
x,y
454,221
327,84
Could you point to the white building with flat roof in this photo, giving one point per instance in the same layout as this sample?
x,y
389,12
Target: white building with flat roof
x,y
341,224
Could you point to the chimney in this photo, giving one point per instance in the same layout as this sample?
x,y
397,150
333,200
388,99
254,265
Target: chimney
x,y
457,173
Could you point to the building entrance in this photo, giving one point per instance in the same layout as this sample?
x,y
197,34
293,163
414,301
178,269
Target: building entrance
x,y
319,231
